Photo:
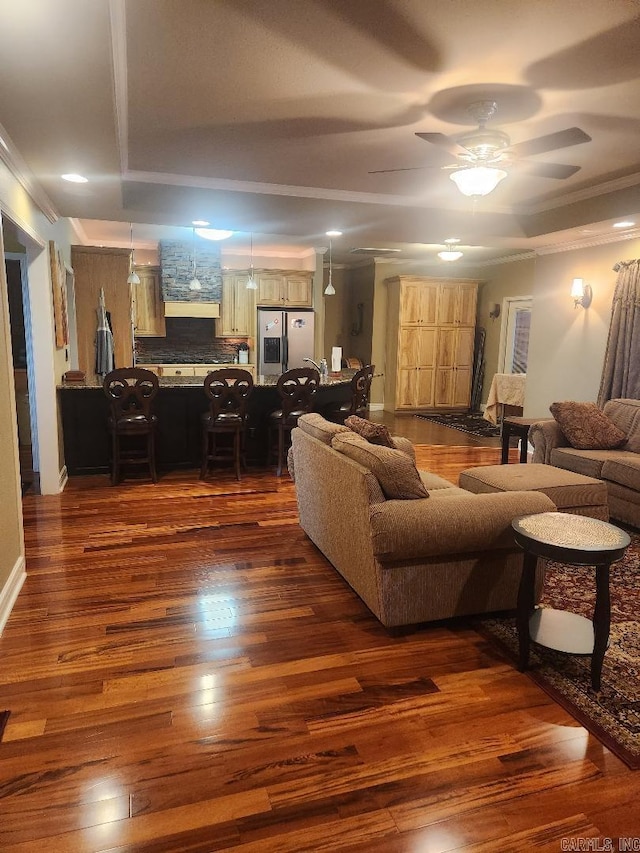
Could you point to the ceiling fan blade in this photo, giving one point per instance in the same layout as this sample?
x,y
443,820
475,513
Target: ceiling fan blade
x,y
548,170
407,169
550,142
445,142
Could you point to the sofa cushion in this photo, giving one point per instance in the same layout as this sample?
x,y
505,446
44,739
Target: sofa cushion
x,y
315,425
587,462
586,426
396,471
374,433
624,469
626,415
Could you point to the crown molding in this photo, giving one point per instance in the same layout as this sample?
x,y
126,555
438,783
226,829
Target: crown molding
x,y
593,240
507,259
21,172
271,189
579,195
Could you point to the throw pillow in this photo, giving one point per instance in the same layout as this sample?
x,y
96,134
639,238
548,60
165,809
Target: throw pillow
x,y
395,470
314,424
586,427
374,433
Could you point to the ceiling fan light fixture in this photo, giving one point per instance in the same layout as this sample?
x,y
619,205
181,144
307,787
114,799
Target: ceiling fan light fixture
x,y
477,180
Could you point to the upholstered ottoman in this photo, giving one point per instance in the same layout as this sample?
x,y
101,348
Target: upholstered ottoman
x,y
570,492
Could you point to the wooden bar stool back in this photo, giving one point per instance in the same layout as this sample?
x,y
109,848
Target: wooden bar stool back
x,y
360,393
297,389
228,391
132,424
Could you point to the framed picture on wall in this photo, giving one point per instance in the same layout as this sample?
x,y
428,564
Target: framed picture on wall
x,y
58,283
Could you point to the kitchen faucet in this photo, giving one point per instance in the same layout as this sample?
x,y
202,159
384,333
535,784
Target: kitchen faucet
x,y
317,366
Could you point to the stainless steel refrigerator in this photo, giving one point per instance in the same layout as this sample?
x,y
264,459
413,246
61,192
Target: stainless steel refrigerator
x,y
284,339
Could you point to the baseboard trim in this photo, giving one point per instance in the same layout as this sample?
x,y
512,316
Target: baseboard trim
x,y
10,590
376,407
64,479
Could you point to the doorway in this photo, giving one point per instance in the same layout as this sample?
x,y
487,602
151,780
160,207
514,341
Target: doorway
x,y
514,339
14,268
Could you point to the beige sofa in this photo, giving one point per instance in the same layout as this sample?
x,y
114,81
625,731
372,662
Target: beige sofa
x,y
449,554
619,469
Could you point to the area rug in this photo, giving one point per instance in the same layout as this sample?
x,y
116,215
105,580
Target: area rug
x,y
472,424
4,716
614,716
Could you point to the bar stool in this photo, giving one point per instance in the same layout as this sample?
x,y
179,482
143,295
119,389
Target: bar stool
x,y
359,402
297,389
132,424
228,390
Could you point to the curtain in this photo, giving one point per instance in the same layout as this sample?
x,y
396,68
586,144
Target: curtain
x,y
621,370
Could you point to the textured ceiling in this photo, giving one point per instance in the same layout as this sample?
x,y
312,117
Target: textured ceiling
x,y
268,117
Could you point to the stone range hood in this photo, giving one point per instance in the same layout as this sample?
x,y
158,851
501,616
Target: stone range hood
x,y
176,271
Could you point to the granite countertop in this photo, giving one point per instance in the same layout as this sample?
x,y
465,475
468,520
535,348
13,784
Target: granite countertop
x,y
94,382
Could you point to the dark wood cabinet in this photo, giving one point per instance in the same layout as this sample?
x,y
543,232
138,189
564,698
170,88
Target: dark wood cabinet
x,y
179,410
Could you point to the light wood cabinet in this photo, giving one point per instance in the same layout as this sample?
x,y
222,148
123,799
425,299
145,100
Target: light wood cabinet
x,y
95,269
430,343
285,288
148,307
238,310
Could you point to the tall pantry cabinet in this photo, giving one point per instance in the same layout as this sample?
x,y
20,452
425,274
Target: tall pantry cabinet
x,y
430,343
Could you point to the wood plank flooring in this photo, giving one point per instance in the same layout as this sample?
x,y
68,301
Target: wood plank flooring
x,y
186,672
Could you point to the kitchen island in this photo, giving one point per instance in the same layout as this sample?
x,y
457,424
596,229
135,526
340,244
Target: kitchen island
x,y
179,405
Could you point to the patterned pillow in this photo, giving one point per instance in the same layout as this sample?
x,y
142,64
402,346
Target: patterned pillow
x,y
374,433
395,470
586,427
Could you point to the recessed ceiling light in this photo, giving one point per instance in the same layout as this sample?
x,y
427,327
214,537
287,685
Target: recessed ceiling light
x,y
213,233
202,223
625,224
75,179
334,233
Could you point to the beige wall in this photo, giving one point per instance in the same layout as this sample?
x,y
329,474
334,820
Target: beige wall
x,y
12,551
35,230
334,312
567,344
498,283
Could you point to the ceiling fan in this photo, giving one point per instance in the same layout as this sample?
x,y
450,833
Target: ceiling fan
x,y
486,152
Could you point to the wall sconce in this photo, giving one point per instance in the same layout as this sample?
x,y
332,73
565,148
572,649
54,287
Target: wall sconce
x,y
495,311
581,293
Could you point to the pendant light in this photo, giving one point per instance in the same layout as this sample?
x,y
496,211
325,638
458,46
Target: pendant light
x,y
330,289
252,284
133,278
194,284
450,254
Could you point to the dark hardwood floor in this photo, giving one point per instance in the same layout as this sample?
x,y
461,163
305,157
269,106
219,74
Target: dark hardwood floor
x,y
186,672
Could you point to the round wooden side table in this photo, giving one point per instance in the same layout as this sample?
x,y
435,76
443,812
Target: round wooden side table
x,y
579,541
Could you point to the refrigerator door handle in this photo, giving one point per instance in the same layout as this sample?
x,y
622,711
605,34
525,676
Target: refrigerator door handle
x,y
285,352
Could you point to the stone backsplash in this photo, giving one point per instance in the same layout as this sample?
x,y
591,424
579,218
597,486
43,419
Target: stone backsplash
x,y
188,341
176,267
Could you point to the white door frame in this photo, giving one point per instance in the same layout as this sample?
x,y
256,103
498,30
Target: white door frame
x,y
509,306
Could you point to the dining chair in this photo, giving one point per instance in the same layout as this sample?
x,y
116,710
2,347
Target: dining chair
x,y
297,389
358,402
131,392
228,391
